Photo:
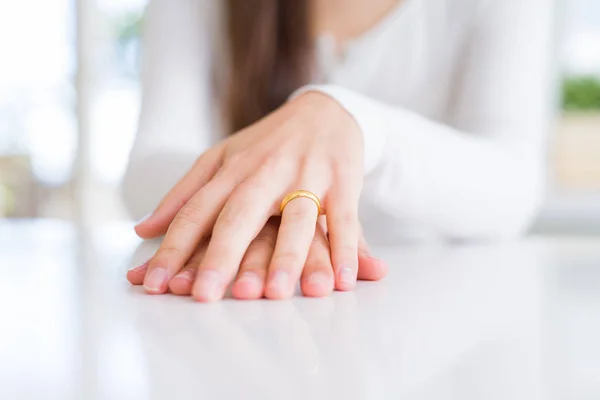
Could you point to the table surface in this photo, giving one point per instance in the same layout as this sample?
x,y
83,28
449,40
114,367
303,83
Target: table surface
x,y
518,320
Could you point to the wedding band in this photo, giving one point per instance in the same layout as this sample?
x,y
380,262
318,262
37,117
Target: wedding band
x,y
301,193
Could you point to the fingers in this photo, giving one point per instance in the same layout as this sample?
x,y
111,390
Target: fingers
x,y
202,172
369,268
294,239
317,277
242,218
250,280
192,223
181,284
135,275
343,226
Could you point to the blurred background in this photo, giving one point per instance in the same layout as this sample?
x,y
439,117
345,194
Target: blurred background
x,y
69,99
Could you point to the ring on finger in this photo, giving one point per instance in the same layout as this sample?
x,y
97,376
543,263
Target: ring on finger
x,y
302,193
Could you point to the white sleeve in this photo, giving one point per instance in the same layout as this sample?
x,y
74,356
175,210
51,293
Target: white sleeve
x,y
176,115
483,175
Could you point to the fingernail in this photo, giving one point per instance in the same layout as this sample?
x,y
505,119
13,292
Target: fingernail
x,y
139,268
208,285
317,279
347,275
249,277
156,281
188,274
143,219
280,280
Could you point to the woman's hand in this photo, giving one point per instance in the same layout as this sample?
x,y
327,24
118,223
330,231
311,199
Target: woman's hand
x,y
310,143
317,276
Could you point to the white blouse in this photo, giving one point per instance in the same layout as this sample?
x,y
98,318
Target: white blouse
x,y
453,97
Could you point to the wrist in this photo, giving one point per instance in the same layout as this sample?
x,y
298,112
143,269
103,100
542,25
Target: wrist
x,y
370,117
327,109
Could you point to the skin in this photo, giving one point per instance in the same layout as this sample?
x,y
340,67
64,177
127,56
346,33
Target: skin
x,y
217,219
347,19
317,276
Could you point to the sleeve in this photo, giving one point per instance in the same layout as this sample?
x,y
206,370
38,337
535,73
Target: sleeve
x,y
175,120
481,176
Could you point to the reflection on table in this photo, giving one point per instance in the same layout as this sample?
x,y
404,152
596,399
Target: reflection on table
x,y
517,320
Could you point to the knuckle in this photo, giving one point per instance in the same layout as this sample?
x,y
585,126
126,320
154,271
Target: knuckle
x,y
277,162
231,213
234,160
273,160
165,253
189,215
206,166
235,168
226,218
180,203
221,173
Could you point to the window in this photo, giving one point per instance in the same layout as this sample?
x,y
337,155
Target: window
x,y
37,98
574,201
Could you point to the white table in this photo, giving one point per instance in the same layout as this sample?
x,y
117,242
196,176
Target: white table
x,y
518,320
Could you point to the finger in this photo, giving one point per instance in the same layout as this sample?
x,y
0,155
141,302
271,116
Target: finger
x,y
181,284
192,223
203,170
242,218
135,275
317,277
296,232
369,268
343,226
250,280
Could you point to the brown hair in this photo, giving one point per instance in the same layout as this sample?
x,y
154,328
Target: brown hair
x,y
271,54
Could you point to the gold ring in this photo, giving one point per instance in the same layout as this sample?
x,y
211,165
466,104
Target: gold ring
x,y
301,193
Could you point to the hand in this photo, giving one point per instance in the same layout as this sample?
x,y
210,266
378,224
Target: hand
x,y
317,275
309,143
